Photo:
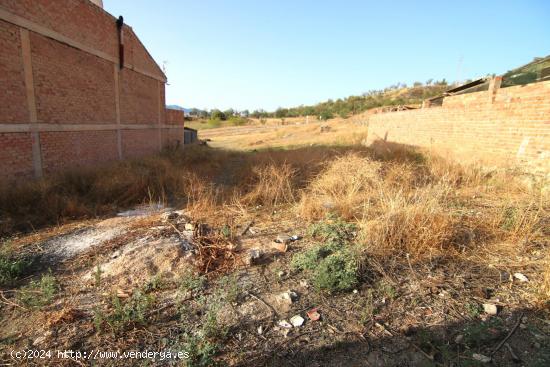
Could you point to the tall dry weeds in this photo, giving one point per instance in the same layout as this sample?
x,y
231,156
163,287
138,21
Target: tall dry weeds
x,y
346,186
271,185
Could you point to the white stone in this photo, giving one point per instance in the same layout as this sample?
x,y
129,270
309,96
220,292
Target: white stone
x,y
297,320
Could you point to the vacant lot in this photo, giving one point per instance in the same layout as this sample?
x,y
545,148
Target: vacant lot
x,y
281,245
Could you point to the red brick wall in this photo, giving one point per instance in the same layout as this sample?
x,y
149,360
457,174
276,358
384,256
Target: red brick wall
x,y
139,98
136,143
74,87
15,154
85,23
172,137
63,149
174,117
71,86
13,102
514,128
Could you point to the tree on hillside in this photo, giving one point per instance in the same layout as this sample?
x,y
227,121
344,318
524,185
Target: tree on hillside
x,y
217,115
229,113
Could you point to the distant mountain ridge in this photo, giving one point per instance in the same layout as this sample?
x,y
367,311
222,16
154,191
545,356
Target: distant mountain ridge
x,y
180,108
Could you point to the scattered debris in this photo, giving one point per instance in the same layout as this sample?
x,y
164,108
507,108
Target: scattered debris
x,y
260,330
283,238
189,227
481,358
285,324
490,309
297,320
459,339
295,237
522,278
254,256
289,296
314,314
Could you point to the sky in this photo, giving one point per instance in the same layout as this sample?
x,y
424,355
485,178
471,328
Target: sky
x,y
252,54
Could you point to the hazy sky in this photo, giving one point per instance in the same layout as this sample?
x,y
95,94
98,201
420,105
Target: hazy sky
x,y
250,54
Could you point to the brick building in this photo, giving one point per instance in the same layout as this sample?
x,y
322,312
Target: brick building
x,y
77,87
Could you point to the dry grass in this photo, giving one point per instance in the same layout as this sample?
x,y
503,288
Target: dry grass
x,y
545,288
271,185
346,185
406,202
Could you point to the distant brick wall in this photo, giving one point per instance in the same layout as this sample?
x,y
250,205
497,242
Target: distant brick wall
x,y
65,102
174,117
510,126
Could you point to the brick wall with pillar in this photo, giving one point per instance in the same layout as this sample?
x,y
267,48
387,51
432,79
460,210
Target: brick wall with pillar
x,y
71,96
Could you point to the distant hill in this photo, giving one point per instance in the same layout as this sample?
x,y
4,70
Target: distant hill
x,y
176,107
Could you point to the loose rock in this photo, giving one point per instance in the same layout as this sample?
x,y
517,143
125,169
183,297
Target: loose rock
x,y
522,278
283,238
481,358
490,309
285,324
297,320
254,256
289,296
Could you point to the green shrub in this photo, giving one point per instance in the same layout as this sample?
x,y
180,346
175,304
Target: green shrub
x,y
337,272
11,269
309,260
333,231
230,288
201,351
191,282
39,293
132,311
332,266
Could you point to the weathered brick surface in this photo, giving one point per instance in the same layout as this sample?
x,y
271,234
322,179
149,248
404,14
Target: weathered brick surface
x,y
136,143
139,98
75,87
172,137
12,86
71,87
69,149
174,117
15,155
515,128
85,23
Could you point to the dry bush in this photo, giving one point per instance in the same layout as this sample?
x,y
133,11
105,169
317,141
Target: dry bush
x,y
419,224
345,187
95,191
271,185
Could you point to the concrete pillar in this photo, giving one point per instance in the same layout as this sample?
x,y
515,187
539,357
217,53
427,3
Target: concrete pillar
x,y
31,102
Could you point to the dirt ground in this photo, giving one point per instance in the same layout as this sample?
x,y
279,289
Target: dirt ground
x,y
227,292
